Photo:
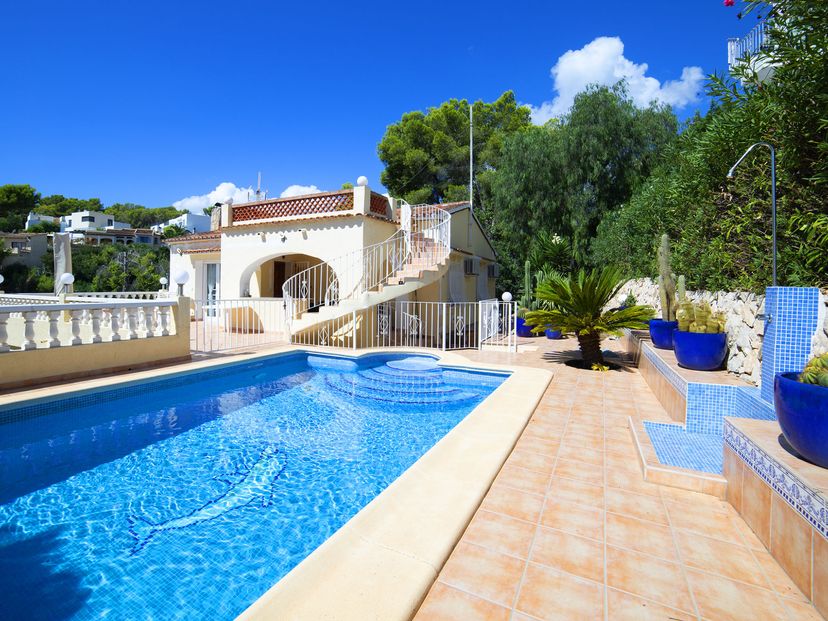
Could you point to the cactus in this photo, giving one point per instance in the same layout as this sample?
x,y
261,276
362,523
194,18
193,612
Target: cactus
x,y
526,297
699,318
682,293
816,371
666,281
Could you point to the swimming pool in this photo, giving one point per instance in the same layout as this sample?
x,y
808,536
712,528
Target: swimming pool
x,y
190,496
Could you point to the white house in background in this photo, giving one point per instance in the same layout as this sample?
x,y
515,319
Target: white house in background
x,y
338,251
27,249
95,228
191,222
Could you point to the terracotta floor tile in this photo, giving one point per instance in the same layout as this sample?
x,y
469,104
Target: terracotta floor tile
x,y
522,479
445,603
636,505
501,533
718,557
532,461
579,453
626,607
703,521
544,446
577,439
726,600
631,481
552,595
570,553
695,500
483,572
577,491
514,503
778,580
580,470
801,611
568,516
648,577
549,431
646,537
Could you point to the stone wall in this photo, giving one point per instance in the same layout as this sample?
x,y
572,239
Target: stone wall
x,y
819,344
744,330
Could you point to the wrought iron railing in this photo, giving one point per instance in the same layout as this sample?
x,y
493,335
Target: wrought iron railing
x,y
424,240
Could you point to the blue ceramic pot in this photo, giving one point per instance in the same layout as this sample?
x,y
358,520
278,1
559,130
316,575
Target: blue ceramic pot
x,y
661,333
552,334
802,410
522,329
700,351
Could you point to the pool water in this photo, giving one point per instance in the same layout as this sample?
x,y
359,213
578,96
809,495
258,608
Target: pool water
x,y
187,498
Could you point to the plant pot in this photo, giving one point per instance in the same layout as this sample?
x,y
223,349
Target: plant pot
x,y
700,351
552,333
661,333
802,411
523,330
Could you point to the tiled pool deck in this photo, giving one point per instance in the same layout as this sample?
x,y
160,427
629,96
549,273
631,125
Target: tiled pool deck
x,y
570,530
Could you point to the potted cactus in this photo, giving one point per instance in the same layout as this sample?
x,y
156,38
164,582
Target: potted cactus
x,y
700,341
661,330
801,402
526,303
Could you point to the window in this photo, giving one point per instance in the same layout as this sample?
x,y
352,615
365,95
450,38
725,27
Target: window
x,y
87,218
110,222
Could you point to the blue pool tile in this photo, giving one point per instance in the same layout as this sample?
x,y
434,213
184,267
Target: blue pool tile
x,y
677,447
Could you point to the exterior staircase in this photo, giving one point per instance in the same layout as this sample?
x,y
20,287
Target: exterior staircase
x,y
415,256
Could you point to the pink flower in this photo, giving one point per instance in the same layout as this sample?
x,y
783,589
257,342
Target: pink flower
x,y
729,2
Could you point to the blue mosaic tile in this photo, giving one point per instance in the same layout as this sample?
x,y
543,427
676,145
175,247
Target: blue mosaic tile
x,y
707,405
787,342
677,447
804,500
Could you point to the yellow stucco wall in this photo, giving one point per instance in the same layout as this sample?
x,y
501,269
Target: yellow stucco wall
x,y
25,368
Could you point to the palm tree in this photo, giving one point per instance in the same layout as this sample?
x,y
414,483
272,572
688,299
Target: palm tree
x,y
576,304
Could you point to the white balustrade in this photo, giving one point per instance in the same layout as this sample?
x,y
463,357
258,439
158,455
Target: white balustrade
x,y
95,320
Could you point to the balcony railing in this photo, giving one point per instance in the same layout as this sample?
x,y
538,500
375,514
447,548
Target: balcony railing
x,y
749,45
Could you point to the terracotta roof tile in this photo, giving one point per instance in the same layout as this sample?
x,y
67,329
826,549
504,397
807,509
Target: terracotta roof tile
x,y
194,237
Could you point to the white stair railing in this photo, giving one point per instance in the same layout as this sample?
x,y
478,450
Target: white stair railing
x,y
423,241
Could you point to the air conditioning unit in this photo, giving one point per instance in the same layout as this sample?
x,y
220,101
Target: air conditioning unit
x,y
471,266
494,270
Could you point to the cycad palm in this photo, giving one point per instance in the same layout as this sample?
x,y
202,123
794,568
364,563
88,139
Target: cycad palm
x,y
576,304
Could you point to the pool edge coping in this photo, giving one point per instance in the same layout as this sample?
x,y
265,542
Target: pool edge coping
x,y
382,562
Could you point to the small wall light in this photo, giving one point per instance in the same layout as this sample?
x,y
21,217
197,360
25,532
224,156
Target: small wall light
x,y
181,278
284,238
65,280
263,236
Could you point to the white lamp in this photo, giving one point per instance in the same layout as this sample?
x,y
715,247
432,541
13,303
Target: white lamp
x,y
1,279
506,297
362,181
181,278
163,280
65,280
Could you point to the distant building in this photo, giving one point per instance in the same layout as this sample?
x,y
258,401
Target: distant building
x,y
190,222
25,249
96,227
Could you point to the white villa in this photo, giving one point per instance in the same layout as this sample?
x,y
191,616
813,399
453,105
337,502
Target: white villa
x,y
96,228
194,223
325,256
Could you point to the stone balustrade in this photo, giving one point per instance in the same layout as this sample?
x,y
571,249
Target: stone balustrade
x,y
125,295
42,325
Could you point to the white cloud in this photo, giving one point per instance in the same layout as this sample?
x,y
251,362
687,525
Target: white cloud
x,y
222,192
226,190
298,190
602,62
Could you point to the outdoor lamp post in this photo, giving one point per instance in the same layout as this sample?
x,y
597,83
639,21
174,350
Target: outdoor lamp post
x,y
180,278
1,279
506,297
65,280
773,191
163,280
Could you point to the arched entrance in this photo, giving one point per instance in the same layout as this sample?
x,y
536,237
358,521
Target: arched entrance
x,y
266,279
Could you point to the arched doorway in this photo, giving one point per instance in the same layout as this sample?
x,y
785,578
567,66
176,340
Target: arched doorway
x,y
267,278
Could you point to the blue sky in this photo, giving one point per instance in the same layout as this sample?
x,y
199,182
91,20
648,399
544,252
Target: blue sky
x,y
151,102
